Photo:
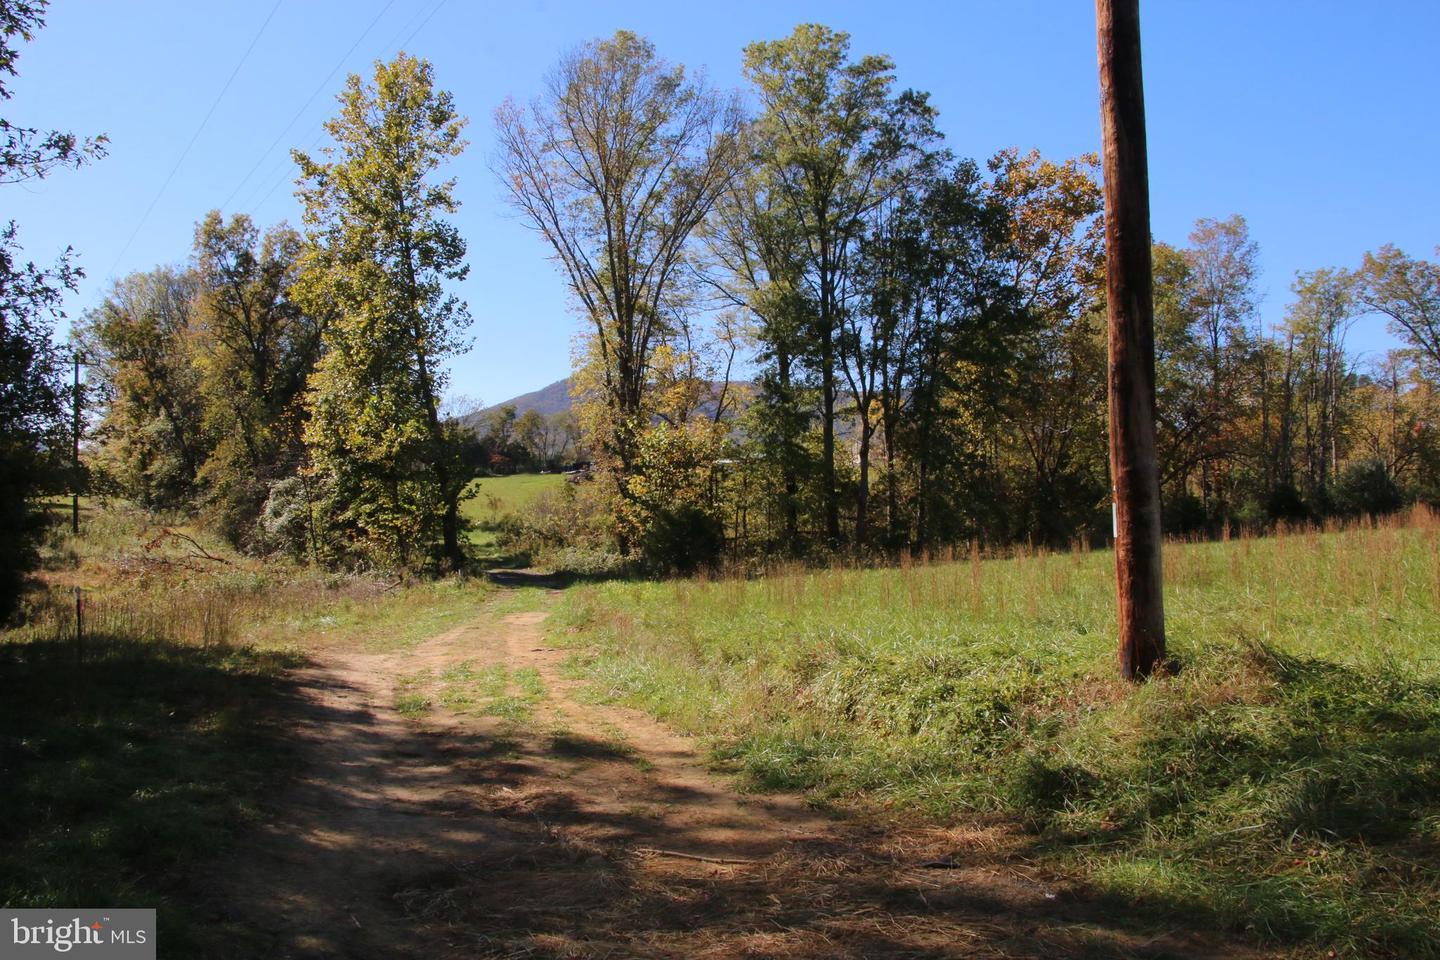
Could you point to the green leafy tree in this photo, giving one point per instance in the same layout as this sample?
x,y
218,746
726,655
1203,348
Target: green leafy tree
x,y
32,431
30,153
382,253
254,349
531,433
938,395
1223,270
832,143
1405,290
152,437
31,408
1316,325
1182,396
753,260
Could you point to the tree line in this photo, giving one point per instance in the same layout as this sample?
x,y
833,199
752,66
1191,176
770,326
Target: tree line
x,y
928,331
810,328
288,386
531,442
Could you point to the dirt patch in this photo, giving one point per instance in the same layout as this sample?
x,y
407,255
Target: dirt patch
x,y
462,799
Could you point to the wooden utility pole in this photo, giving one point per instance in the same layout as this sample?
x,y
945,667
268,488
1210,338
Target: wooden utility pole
x,y
75,454
1133,471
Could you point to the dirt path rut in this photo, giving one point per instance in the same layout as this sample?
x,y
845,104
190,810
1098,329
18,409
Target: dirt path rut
x,y
464,798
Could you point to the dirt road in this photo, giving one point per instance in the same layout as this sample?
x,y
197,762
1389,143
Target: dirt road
x,y
464,799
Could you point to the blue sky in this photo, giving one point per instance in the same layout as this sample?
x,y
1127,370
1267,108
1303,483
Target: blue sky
x,y
1316,120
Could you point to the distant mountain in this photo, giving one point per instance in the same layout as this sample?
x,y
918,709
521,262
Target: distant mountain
x,y
547,401
551,400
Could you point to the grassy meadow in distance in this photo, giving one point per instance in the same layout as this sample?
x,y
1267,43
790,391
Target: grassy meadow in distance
x,y
1285,782
491,499
131,759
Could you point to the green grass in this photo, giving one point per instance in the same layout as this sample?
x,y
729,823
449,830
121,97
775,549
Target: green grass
x,y
1285,783
129,767
126,773
377,620
494,498
462,688
413,706
519,600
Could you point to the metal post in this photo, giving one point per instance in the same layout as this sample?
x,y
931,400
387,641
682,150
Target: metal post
x,y
79,627
1133,469
75,457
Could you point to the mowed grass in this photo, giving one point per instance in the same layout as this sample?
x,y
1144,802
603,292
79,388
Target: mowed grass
x,y
1285,783
492,499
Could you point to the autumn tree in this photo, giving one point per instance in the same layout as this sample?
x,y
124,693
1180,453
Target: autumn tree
x,y
1052,400
254,349
615,165
382,254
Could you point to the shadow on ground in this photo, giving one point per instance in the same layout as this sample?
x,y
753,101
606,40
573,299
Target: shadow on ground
x,y
125,765
403,840
557,580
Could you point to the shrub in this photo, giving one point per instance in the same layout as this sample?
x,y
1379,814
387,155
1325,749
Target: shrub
x,y
682,540
1366,488
284,518
1285,505
569,530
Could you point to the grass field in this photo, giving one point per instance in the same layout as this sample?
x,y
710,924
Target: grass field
x,y
134,758
1285,782
494,498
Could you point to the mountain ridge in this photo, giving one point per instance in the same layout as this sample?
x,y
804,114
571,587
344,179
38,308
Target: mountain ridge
x,y
548,400
555,398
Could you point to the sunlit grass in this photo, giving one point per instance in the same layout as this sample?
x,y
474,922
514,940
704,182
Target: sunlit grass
x,y
494,498
463,688
1287,779
140,576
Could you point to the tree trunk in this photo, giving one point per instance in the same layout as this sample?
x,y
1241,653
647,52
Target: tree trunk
x,y
862,499
892,493
787,459
450,527
1132,341
827,437
1266,458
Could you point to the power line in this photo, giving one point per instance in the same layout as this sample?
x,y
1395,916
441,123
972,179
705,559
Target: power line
x,y
195,136
254,209
404,42
419,12
308,100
